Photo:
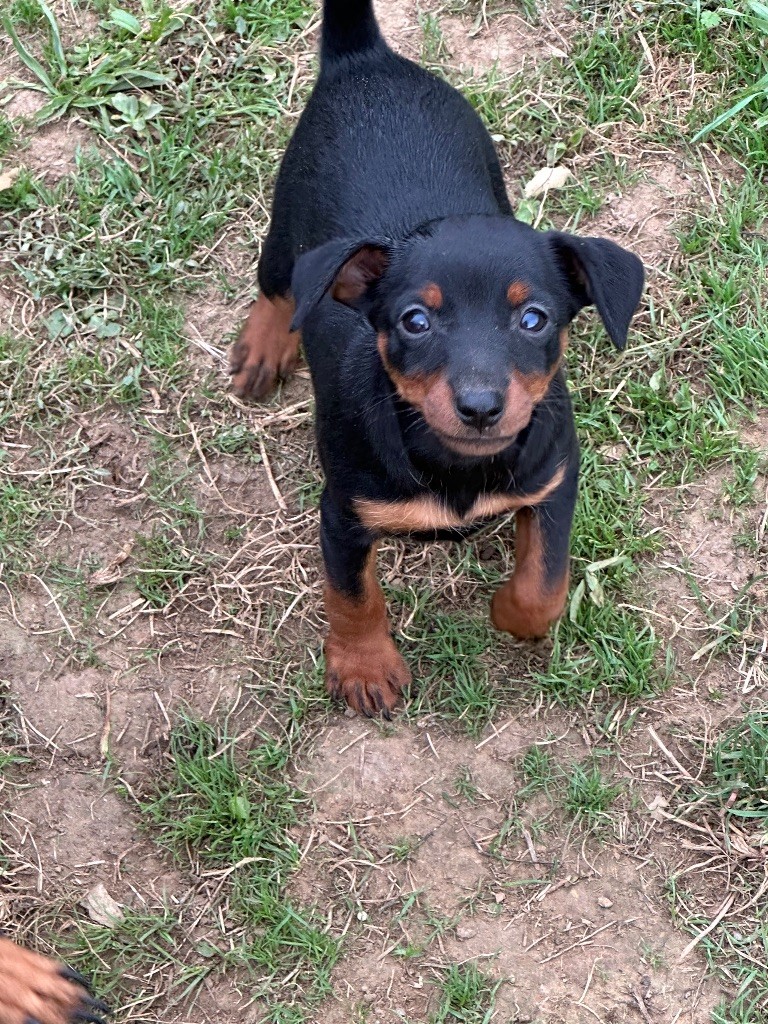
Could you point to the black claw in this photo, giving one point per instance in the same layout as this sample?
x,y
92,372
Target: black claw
x,y
31,1020
334,687
386,714
89,1018
96,1004
72,975
361,702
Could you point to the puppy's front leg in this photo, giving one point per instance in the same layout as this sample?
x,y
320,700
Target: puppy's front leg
x,y
362,664
534,597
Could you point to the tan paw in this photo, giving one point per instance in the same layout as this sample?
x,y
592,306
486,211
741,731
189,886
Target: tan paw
x,y
266,349
525,615
36,989
369,676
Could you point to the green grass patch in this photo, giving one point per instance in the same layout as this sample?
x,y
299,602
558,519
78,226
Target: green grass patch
x,y
538,770
23,509
589,796
609,652
221,806
725,278
7,135
467,995
737,778
143,944
226,811
454,678
270,21
608,521
26,14
163,566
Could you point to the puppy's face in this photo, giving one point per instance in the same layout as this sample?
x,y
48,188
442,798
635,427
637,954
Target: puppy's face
x,y
471,330
471,317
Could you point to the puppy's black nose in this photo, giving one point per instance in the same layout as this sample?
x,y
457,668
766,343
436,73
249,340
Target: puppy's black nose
x,y
478,407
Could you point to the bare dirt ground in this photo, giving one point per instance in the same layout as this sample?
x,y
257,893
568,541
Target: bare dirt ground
x,y
578,926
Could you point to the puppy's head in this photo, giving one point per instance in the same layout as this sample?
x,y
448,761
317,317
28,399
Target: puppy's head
x,y
471,315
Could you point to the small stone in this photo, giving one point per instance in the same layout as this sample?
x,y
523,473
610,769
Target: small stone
x,y
350,713
500,897
462,933
604,902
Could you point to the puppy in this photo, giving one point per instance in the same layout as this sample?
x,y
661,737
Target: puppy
x,y
434,325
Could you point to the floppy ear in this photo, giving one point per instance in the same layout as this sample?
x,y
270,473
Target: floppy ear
x,y
602,274
345,266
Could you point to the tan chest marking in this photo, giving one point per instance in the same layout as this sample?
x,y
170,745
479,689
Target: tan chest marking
x,y
427,513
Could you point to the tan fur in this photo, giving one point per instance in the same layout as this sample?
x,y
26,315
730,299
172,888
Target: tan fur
x,y
432,295
431,394
362,663
32,988
266,349
525,606
517,293
426,513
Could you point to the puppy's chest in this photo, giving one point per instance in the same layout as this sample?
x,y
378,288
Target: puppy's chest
x,y
428,512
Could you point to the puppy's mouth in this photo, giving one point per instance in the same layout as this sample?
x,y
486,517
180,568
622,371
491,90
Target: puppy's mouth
x,y
480,446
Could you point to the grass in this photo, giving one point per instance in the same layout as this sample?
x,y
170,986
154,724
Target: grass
x,y
143,943
731,798
217,810
455,678
538,769
467,995
606,650
163,568
124,454
20,515
589,796
738,773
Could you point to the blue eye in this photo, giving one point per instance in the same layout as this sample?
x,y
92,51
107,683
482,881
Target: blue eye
x,y
533,320
415,321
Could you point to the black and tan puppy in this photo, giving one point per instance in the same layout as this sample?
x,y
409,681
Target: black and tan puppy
x,y
434,325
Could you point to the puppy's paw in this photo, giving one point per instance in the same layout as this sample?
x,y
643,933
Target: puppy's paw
x,y
523,617
36,990
266,350
369,675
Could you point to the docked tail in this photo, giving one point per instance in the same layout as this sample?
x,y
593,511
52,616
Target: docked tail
x,y
349,27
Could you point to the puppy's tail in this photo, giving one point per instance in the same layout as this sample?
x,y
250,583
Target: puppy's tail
x,y
349,27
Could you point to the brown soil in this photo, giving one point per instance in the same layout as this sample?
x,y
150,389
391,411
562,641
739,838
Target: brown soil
x,y
576,930
505,42
52,151
644,216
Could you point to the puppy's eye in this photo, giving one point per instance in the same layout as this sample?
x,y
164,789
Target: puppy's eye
x,y
533,320
415,321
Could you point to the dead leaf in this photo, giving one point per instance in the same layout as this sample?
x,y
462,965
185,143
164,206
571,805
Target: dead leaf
x,y
545,179
657,804
110,573
7,178
102,908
